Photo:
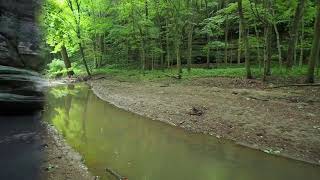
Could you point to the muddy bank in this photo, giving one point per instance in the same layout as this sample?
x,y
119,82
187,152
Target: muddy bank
x,y
61,161
282,121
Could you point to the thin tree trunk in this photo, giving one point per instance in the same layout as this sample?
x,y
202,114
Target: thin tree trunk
x,y
318,63
143,56
314,56
66,61
160,38
208,36
295,53
167,44
258,46
102,49
278,45
294,32
226,32
146,39
301,44
95,52
267,51
190,38
84,59
152,61
142,50
208,51
245,39
239,42
178,60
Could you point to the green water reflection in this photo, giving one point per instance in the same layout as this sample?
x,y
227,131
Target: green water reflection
x,y
142,149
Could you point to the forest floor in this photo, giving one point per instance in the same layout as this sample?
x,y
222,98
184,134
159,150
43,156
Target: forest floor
x,y
283,121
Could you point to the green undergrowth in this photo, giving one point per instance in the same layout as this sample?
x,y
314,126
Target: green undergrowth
x,y
233,72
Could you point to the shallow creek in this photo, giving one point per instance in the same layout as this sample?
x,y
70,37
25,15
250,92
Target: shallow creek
x,y
143,149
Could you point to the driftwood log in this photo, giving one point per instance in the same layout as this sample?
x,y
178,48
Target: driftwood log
x,y
116,175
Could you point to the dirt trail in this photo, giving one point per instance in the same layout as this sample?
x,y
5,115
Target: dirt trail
x,y
284,121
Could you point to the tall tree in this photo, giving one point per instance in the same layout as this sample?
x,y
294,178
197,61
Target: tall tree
x,y
244,32
314,55
226,33
294,33
76,12
66,60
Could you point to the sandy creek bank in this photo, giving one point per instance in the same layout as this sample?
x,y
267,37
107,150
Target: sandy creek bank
x,y
61,162
282,121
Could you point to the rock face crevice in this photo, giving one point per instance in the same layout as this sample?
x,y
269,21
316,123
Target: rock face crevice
x,y
19,34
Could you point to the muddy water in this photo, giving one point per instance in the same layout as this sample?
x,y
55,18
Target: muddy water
x,y
142,149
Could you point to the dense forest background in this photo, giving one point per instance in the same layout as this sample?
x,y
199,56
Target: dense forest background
x,y
261,37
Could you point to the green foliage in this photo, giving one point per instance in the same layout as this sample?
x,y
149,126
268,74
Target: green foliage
x,y
143,33
56,68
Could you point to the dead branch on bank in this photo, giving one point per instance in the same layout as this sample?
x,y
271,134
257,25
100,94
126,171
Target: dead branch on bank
x,y
116,175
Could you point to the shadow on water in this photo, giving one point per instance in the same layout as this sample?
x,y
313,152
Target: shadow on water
x,y
142,149
20,147
21,95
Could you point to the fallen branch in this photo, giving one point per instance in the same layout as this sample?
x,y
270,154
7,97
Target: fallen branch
x,y
98,78
116,175
256,98
173,76
297,85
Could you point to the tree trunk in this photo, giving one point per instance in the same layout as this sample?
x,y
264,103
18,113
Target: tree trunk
x,y
159,22
226,31
102,49
208,51
258,46
294,32
278,45
245,39
84,59
95,52
314,55
152,61
167,44
208,36
66,60
318,67
142,50
179,68
301,44
267,51
295,52
269,48
143,57
239,42
190,38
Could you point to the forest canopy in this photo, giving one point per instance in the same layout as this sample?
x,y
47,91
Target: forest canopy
x,y
259,36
